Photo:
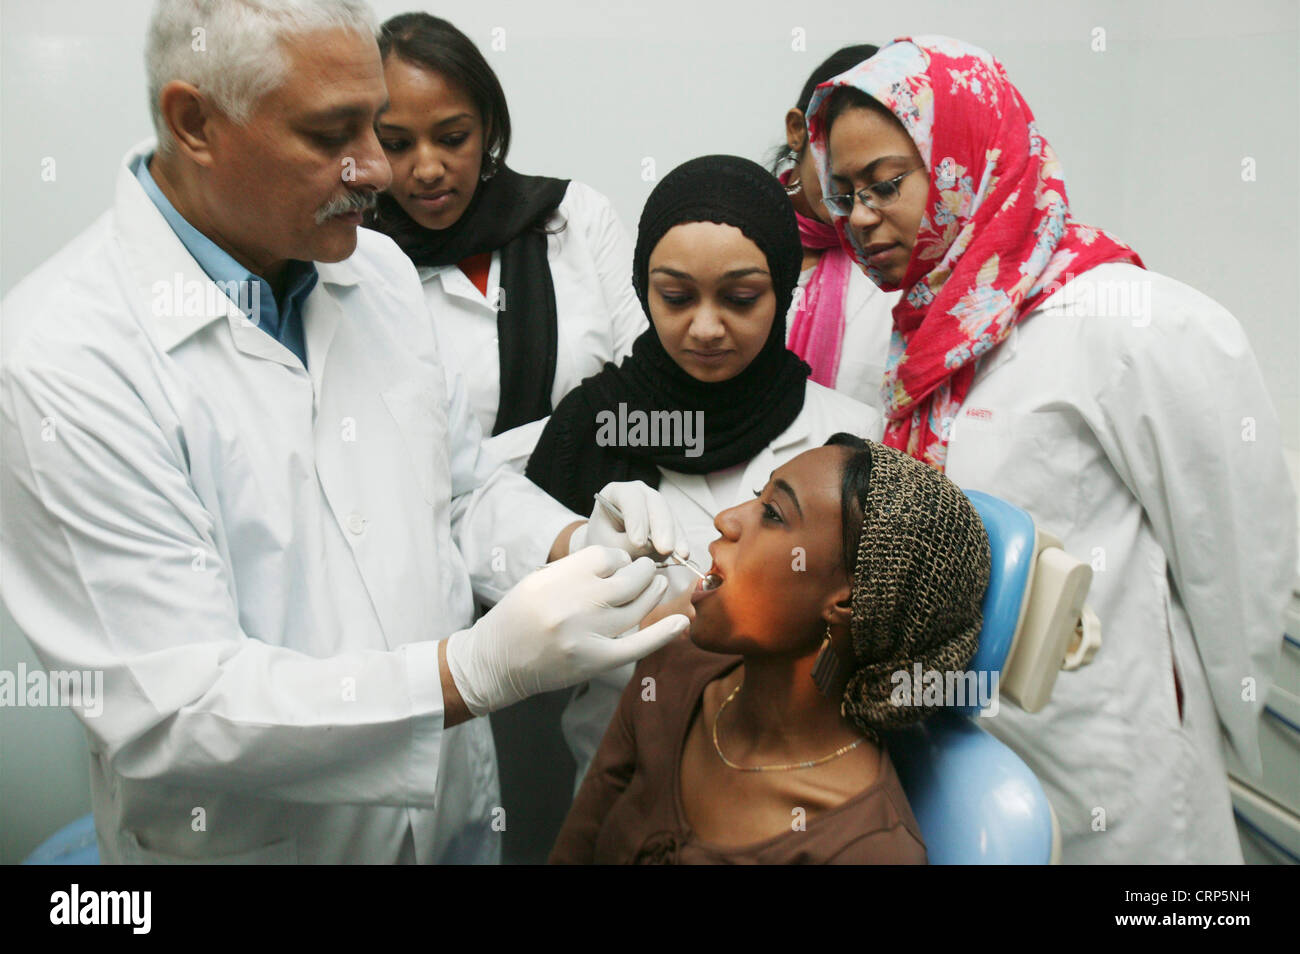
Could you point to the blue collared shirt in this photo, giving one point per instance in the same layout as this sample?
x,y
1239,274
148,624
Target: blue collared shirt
x,y
219,266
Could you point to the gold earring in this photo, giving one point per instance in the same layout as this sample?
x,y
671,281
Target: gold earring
x,y
827,666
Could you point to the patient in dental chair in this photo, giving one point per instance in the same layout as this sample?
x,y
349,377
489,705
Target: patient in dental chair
x,y
757,740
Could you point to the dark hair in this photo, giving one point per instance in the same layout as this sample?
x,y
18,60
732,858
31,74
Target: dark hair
x,y
833,65
846,98
854,483
431,42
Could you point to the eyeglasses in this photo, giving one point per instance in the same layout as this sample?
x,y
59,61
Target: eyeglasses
x,y
877,196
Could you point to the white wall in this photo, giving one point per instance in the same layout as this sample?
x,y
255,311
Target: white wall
x,y
1152,133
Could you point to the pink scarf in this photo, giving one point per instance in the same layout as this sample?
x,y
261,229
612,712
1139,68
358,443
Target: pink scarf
x,y
817,332
996,238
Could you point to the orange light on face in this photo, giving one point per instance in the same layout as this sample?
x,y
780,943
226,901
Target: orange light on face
x,y
780,561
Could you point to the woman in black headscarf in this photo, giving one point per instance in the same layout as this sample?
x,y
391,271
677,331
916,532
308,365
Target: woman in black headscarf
x,y
710,401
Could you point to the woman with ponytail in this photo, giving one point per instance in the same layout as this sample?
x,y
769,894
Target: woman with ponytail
x,y
840,321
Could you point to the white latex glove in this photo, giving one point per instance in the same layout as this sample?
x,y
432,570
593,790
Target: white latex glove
x,y
680,582
555,629
648,527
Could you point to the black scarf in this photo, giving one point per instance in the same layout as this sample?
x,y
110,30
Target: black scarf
x,y
574,457
508,212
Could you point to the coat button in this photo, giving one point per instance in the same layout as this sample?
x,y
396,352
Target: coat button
x,y
356,522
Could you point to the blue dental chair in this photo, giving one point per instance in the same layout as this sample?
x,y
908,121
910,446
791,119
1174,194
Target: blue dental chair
x,y
73,844
976,801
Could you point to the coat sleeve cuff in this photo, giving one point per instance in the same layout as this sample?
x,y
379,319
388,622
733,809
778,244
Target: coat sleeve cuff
x,y
424,688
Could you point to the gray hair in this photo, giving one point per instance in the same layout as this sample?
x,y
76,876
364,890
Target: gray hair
x,y
230,49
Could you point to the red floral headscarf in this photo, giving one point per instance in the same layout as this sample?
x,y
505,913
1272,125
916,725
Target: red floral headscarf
x,y
996,237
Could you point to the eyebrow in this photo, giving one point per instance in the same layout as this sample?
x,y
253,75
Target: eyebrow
x,y
686,276
781,485
342,112
442,122
869,168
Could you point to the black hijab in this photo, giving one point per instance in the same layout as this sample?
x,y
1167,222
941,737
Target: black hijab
x,y
508,212
741,415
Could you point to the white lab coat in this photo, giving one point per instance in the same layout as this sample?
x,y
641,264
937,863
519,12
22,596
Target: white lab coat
x,y
693,503
259,559
1149,446
868,323
598,315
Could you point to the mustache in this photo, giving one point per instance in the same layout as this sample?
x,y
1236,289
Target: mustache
x,y
347,202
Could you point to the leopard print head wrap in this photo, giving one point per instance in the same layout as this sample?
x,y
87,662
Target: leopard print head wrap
x,y
918,584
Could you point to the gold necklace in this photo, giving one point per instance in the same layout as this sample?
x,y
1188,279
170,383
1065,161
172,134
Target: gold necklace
x,y
771,768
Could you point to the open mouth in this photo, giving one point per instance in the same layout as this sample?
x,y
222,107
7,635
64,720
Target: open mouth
x,y
710,584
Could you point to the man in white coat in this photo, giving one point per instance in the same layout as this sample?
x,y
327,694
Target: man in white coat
x,y
239,482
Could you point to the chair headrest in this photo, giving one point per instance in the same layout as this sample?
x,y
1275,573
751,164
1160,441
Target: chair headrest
x,y
1011,545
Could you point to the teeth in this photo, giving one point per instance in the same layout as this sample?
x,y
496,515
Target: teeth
x,y
712,581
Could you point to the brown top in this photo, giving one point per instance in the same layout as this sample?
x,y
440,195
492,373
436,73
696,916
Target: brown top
x,y
629,810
